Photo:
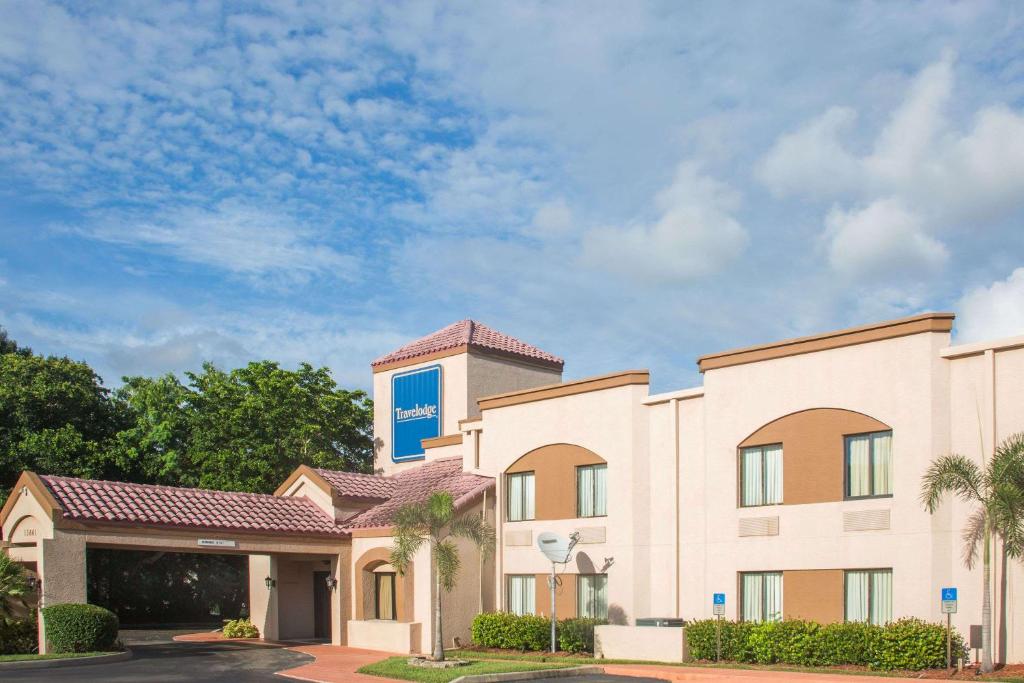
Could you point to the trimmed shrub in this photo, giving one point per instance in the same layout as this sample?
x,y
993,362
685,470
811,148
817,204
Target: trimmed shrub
x,y
74,627
905,644
18,637
577,635
240,628
511,631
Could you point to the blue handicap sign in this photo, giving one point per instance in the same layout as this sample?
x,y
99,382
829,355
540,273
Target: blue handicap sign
x,y
949,594
718,598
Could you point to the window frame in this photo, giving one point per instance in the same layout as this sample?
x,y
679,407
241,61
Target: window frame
x,y
508,495
579,588
508,591
591,466
764,475
764,595
392,577
871,465
871,592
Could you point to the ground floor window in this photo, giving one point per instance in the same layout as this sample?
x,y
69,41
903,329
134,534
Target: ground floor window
x,y
592,596
521,593
869,595
761,596
384,593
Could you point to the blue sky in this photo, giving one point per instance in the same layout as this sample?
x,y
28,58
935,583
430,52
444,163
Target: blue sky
x,y
622,184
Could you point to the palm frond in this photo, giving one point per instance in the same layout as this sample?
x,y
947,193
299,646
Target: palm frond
x,y
972,535
446,558
951,474
442,509
474,528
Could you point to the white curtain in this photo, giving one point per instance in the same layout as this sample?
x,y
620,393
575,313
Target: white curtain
x,y
753,486
859,470
773,596
515,497
528,496
385,596
592,596
521,594
773,474
881,597
882,447
753,597
601,490
585,491
857,596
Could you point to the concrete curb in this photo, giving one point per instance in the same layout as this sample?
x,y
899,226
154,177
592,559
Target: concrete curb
x,y
65,662
587,670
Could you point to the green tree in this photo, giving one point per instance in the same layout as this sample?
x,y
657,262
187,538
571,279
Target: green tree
x,y
996,488
56,417
8,345
13,585
434,521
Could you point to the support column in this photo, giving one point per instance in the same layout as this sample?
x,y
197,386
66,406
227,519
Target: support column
x,y
341,602
61,568
263,602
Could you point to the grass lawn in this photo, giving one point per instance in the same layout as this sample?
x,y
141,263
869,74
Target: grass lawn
x,y
62,655
397,667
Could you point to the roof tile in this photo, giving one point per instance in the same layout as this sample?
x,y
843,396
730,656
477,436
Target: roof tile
x,y
473,334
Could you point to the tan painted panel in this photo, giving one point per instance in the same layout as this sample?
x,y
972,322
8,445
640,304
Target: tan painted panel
x,y
554,471
813,595
565,596
813,451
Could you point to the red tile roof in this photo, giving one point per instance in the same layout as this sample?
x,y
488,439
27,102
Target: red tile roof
x,y
114,501
368,487
474,335
415,486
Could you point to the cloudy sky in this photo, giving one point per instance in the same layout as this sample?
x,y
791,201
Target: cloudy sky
x,y
626,185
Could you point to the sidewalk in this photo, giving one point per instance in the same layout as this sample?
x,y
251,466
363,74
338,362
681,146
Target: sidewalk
x,y
714,675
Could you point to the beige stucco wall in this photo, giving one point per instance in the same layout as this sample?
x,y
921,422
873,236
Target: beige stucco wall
x,y
488,375
640,643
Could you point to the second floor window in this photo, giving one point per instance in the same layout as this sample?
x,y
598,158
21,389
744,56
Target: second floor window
x,y
761,475
869,465
592,491
520,496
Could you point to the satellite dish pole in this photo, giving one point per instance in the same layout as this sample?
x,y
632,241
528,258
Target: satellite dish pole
x,y
557,549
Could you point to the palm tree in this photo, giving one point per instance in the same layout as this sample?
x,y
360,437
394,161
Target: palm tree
x,y
13,585
434,521
997,489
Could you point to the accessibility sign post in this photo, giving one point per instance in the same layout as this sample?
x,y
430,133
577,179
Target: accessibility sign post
x,y
948,600
718,607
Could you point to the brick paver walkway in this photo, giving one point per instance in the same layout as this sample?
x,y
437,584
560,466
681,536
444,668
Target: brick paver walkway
x,y
335,664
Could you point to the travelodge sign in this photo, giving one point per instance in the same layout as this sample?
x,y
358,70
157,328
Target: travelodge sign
x,y
415,411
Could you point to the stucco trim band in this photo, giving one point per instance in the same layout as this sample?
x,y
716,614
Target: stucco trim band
x,y
582,386
438,441
314,478
890,329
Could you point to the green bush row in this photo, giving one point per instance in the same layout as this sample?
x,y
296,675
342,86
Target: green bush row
x,y
74,627
904,644
528,632
18,636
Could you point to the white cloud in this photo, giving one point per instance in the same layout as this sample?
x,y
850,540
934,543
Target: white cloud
x,y
884,240
992,312
812,160
694,235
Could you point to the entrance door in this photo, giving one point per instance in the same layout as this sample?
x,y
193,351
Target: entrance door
x,y
321,606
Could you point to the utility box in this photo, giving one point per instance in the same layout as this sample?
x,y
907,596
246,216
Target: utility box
x,y
674,622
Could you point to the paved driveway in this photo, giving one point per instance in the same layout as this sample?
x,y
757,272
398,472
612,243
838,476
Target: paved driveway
x,y
169,662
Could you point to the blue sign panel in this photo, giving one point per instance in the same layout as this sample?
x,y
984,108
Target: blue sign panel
x,y
415,411
718,598
949,594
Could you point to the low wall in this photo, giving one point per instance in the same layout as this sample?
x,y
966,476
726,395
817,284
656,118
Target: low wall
x,y
389,636
641,643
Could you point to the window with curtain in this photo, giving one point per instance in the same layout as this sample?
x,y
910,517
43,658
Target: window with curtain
x,y
521,593
520,496
592,490
761,475
385,595
761,596
869,596
592,596
869,465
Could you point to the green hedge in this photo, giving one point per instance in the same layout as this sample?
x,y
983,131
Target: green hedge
x,y
577,635
904,644
80,628
18,636
240,628
511,631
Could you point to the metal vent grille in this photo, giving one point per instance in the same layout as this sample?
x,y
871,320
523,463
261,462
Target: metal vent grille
x,y
866,520
759,526
519,537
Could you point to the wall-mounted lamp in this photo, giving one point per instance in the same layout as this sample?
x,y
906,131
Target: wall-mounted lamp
x,y
332,583
34,584
270,583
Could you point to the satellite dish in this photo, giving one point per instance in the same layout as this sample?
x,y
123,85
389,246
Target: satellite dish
x,y
555,547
